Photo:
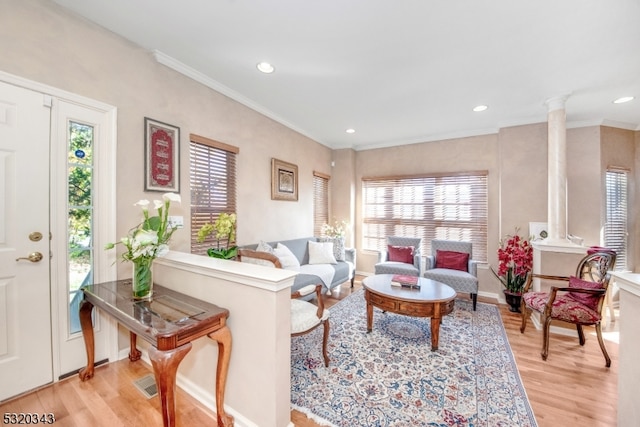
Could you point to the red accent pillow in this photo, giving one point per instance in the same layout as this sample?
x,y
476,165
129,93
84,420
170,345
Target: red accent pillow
x,y
590,301
452,260
401,253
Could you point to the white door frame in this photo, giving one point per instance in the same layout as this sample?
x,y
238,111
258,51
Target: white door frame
x,y
104,219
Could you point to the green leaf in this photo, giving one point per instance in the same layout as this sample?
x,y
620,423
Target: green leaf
x,y
154,223
230,253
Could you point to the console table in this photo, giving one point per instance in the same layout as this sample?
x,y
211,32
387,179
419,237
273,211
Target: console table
x,y
169,321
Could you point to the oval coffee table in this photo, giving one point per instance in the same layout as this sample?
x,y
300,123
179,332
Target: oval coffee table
x,y
433,299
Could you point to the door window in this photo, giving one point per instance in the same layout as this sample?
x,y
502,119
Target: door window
x,y
80,215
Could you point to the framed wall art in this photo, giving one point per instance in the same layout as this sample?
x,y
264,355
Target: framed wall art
x,y
162,156
284,180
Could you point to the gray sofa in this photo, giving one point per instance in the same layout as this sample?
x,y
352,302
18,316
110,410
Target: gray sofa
x,y
307,274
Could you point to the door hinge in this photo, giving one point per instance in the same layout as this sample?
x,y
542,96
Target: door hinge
x,y
47,101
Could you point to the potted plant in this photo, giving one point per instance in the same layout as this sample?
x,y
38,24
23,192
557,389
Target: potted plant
x,y
515,261
225,233
147,241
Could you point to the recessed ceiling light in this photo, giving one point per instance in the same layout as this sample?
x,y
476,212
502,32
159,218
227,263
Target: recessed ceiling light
x,y
623,99
479,108
350,130
265,67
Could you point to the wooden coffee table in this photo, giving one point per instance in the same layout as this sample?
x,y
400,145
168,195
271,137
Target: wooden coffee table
x,y
433,299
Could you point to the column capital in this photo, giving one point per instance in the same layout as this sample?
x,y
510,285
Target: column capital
x,y
557,102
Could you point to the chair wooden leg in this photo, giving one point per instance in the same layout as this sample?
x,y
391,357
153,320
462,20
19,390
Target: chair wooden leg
x,y
525,315
474,297
602,347
545,338
325,338
580,334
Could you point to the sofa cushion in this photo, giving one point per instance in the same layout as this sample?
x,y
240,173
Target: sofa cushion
x,y
394,267
344,270
286,257
298,247
401,253
258,261
452,260
339,251
321,253
264,247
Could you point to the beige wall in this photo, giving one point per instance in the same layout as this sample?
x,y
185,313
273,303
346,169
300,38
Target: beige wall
x,y
618,148
45,43
343,191
516,158
464,154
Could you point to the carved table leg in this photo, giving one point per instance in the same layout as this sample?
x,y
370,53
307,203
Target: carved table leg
x,y
435,332
165,365
223,337
87,333
369,315
134,353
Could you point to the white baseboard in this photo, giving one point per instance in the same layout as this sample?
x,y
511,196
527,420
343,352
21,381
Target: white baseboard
x,y
201,395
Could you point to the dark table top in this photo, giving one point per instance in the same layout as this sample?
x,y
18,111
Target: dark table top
x,y
167,320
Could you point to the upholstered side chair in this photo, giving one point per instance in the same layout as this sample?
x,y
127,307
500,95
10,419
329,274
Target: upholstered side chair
x,y
451,263
580,302
401,256
305,316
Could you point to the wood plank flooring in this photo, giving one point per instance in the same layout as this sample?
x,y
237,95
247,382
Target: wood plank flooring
x,y
573,387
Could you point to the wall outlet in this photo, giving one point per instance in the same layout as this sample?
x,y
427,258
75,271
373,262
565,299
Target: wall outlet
x,y
175,221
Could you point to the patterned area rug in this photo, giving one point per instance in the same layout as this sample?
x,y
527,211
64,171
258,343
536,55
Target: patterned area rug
x,y
391,377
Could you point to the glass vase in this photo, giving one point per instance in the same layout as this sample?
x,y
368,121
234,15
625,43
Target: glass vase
x,y
142,278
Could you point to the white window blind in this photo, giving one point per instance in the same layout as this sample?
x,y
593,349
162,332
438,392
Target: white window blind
x,y
443,206
616,226
320,201
213,185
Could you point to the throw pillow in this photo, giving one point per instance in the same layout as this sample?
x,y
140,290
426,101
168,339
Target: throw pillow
x,y
286,257
264,247
338,247
321,253
590,301
452,260
257,261
401,254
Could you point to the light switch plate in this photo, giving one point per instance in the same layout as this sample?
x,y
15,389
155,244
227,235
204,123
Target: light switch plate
x,y
176,221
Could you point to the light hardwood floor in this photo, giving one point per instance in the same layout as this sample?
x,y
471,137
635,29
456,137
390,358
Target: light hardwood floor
x,y
573,387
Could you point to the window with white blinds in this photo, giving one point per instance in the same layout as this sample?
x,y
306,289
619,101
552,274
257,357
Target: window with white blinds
x,y
213,185
320,202
443,206
616,226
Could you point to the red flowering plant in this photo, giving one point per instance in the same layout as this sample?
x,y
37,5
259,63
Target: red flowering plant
x,y
515,258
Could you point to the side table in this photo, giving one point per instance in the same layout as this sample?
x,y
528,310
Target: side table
x,y
169,321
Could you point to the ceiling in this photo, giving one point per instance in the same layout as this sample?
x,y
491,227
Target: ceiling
x,y
397,72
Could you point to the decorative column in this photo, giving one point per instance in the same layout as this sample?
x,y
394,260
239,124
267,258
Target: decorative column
x,y
557,171
555,255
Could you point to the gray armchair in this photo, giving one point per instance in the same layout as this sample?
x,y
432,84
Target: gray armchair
x,y
460,281
386,266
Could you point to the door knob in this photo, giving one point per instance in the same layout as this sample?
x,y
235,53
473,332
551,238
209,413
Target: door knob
x,y
33,257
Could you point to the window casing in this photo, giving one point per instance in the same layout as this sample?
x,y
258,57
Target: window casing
x,y
443,206
320,202
616,224
213,185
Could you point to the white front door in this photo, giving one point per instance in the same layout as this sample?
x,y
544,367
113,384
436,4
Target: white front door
x,y
41,165
25,310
